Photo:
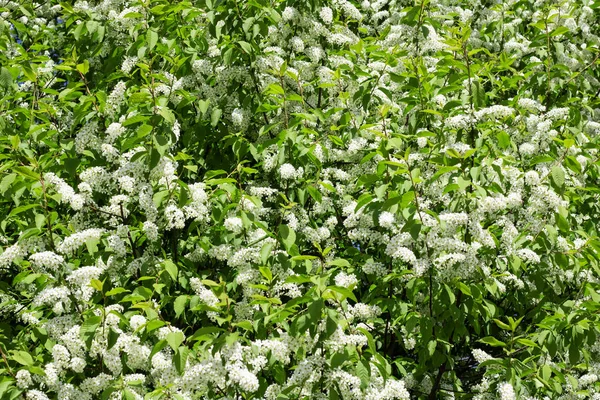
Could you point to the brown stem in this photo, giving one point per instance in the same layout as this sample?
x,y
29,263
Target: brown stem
x,y
9,369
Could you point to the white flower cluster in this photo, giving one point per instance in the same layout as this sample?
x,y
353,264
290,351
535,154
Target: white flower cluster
x,y
234,224
72,243
47,261
68,195
288,172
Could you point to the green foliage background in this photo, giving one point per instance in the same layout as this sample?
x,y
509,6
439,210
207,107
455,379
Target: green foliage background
x,y
428,113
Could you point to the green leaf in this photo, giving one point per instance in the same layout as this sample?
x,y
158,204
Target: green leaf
x,y
546,372
180,358
154,324
431,346
265,252
26,172
331,325
6,78
561,30
92,245
314,193
344,292
161,344
215,116
492,341
338,359
502,325
527,342
22,357
96,284
179,305
135,119
266,273
574,353
363,371
167,114
6,182
116,291
339,262
175,339
503,139
151,38
20,209
363,201
464,289
88,329
558,176
40,220
83,67
315,308
288,236
247,47
203,106
171,269
112,338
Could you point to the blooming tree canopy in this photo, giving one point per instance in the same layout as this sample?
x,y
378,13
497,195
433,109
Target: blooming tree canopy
x,y
272,200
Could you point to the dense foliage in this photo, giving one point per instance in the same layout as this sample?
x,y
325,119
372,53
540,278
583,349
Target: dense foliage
x,y
222,199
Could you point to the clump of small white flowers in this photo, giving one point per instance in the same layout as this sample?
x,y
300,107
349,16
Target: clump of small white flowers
x,y
24,379
528,255
234,224
127,183
460,121
481,356
206,295
67,193
440,100
237,117
409,343
36,395
288,172
527,149
506,391
326,15
164,331
137,321
77,364
364,311
494,112
588,379
128,64
115,98
10,255
530,105
47,260
151,230
289,14
297,44
405,254
71,243
373,267
532,178
386,219
175,217
558,113
345,280
114,131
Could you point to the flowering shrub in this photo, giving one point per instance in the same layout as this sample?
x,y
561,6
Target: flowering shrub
x,y
219,199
